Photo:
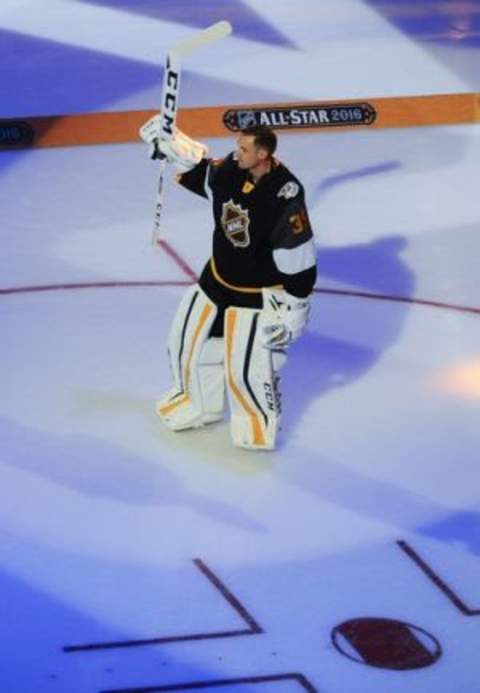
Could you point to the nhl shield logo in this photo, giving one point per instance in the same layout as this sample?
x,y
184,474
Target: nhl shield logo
x,y
235,223
245,119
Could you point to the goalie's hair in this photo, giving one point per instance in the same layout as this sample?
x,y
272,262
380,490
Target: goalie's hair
x,y
263,137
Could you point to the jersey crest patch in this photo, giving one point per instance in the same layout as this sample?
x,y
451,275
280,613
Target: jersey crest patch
x,y
248,187
235,223
289,190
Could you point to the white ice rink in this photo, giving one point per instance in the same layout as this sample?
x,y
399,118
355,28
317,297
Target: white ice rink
x,y
137,559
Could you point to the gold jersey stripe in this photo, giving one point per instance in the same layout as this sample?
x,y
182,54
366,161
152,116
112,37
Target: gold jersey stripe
x,y
241,289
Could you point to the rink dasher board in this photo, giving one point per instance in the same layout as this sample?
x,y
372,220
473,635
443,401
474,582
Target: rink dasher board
x,y
224,121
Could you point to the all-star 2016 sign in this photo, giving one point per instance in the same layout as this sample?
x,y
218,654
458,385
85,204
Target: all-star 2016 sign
x,y
313,116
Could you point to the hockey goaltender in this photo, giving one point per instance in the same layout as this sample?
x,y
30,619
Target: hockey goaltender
x,y
232,329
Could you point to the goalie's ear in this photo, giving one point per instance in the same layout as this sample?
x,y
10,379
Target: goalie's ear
x,y
262,153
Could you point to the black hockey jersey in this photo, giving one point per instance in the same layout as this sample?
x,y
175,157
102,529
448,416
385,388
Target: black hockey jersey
x,y
262,234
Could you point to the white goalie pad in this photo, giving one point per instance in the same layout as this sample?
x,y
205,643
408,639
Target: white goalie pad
x,y
196,363
252,382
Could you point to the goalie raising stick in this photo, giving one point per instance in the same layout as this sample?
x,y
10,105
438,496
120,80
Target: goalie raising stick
x,y
162,129
233,327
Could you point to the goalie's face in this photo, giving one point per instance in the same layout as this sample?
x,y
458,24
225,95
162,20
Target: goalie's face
x,y
249,155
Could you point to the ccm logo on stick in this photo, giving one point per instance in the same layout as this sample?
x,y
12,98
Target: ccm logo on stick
x,y
170,99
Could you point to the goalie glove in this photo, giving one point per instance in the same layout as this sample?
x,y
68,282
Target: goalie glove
x,y
283,318
180,150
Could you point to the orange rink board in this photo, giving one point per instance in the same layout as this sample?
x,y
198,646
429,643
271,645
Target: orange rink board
x,y
222,121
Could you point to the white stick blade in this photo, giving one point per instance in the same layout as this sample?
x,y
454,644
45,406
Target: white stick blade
x,y
209,35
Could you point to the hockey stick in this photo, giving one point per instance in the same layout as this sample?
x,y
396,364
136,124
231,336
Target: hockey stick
x,y
170,93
